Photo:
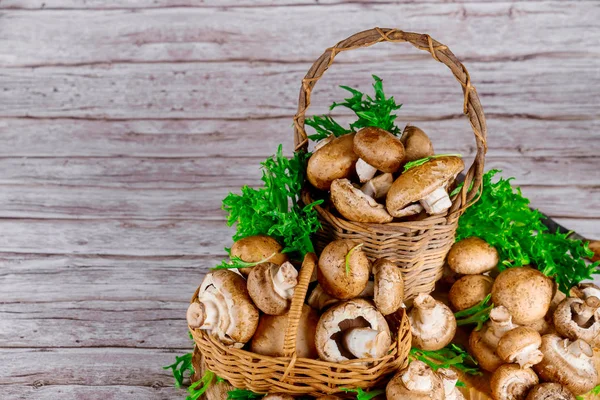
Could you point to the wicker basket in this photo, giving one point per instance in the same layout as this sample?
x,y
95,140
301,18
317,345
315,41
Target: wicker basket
x,y
297,376
418,247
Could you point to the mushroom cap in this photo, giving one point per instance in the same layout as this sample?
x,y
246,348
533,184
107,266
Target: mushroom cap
x,y
510,382
550,391
469,290
341,317
568,363
332,274
263,292
416,143
520,345
278,396
432,323
389,286
483,343
242,312
270,334
420,181
379,148
415,382
525,292
333,161
257,248
356,206
472,256
567,326
585,290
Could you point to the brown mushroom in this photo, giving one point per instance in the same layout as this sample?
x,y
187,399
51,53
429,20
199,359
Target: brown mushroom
x,y
472,256
320,299
568,363
224,308
356,206
352,329
510,382
525,292
257,248
417,144
575,318
425,184
415,382
389,286
550,391
378,150
335,160
270,334
469,290
432,323
343,269
521,346
379,186
483,343
278,396
449,381
271,287
328,397
585,290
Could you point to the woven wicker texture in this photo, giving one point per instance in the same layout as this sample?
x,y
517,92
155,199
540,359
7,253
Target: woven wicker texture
x,y
294,375
418,247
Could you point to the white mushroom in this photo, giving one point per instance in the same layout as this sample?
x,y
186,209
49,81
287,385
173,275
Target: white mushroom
x,y
568,363
510,382
224,308
271,286
432,323
449,380
415,382
579,319
483,343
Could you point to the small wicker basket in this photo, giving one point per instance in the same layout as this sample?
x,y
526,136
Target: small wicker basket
x,y
301,376
418,247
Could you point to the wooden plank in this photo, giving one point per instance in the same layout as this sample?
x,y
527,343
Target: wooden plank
x,y
508,137
75,392
217,32
532,87
587,227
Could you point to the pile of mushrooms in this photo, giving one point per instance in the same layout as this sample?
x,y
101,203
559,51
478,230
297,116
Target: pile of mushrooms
x,y
362,172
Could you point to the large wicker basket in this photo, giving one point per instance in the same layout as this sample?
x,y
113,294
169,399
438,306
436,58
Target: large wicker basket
x,y
418,247
301,376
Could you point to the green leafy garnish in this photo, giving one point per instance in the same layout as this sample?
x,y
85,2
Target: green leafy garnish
x,y
362,395
478,314
347,258
370,111
243,394
595,391
198,388
459,187
422,161
181,365
502,218
237,262
452,355
274,209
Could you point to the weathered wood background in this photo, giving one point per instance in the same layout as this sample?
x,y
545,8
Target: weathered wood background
x,y
124,123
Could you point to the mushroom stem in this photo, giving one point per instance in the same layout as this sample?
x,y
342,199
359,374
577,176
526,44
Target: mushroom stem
x,y
437,201
583,312
579,348
417,378
500,323
427,312
379,186
285,279
449,380
529,356
364,170
365,342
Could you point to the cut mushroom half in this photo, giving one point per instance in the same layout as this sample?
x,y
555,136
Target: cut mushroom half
x,y
224,308
415,382
425,184
510,382
350,330
521,346
432,323
569,363
379,186
449,380
355,205
271,287
575,318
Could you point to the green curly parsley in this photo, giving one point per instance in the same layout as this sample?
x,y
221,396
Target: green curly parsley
x,y
181,366
502,218
452,355
478,314
378,112
362,395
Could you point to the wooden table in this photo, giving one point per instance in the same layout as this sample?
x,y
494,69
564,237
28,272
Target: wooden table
x,y
123,125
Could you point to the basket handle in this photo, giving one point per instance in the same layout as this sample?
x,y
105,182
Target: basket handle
x,y
291,331
471,106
